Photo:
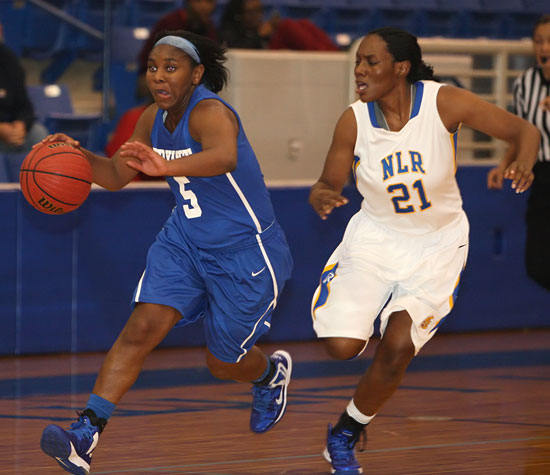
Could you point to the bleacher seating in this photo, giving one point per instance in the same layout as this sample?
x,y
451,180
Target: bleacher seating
x,y
314,10
449,19
126,41
53,107
43,35
12,26
37,33
148,12
350,18
398,13
92,13
33,32
536,6
516,21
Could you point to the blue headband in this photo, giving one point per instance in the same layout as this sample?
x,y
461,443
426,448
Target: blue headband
x,y
181,43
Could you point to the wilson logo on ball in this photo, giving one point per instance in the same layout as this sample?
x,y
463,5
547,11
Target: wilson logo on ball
x,y
50,207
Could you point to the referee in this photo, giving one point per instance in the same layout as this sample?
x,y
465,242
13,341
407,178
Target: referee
x,y
532,102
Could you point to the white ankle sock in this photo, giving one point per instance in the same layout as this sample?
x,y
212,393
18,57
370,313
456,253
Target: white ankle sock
x,y
357,414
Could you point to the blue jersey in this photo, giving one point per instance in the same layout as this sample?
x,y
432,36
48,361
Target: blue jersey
x,y
219,211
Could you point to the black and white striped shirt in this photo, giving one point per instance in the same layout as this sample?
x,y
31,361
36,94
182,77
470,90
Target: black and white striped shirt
x,y
529,90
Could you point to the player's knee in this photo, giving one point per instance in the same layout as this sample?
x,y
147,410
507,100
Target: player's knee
x,y
136,333
395,356
148,325
344,348
217,371
218,368
139,329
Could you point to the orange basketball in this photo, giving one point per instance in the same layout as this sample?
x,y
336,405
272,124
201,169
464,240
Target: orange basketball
x,y
55,178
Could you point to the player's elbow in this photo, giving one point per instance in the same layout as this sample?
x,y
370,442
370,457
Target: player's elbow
x,y
108,186
230,163
111,187
532,132
526,135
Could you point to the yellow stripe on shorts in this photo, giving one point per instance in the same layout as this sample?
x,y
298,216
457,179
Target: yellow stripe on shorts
x,y
328,274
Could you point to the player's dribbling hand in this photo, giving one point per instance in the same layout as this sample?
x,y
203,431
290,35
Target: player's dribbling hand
x,y
324,201
142,158
58,137
520,175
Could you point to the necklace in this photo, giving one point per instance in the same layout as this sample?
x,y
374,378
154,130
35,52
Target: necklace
x,y
386,126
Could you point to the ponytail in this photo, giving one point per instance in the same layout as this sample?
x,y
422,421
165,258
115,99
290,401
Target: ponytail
x,y
403,46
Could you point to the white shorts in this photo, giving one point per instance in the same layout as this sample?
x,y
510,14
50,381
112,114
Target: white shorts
x,y
377,271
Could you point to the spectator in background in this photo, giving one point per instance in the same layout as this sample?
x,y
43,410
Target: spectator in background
x,y
19,130
532,102
124,130
243,26
196,18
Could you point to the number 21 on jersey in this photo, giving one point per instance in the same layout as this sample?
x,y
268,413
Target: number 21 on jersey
x,y
402,196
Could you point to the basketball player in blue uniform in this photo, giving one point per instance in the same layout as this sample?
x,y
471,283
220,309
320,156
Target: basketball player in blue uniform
x,y
403,252
220,256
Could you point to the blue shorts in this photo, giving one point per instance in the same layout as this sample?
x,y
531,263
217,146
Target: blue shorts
x,y
234,289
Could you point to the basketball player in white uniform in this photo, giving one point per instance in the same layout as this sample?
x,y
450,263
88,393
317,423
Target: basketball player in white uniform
x,y
402,254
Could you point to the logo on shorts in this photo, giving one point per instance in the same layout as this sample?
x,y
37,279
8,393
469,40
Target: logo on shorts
x,y
426,323
254,274
329,277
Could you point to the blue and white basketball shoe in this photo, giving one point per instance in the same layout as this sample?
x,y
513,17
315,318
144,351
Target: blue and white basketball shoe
x,y
269,401
340,451
72,448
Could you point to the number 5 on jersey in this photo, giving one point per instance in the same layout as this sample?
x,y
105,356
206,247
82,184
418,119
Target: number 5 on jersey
x,y
191,210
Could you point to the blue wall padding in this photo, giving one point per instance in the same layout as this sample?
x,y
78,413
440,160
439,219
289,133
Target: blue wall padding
x,y
496,292
67,280
8,281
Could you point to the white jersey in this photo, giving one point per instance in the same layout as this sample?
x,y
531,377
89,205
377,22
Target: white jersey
x,y
407,178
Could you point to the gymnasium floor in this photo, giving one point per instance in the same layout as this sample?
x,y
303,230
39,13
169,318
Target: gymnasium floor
x,y
469,404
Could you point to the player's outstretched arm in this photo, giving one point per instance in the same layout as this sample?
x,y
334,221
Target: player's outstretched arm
x,y
111,173
211,124
104,172
457,106
325,195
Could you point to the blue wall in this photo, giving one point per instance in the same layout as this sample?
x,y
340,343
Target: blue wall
x,y
66,281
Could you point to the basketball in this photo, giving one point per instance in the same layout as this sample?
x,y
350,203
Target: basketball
x,y
55,178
